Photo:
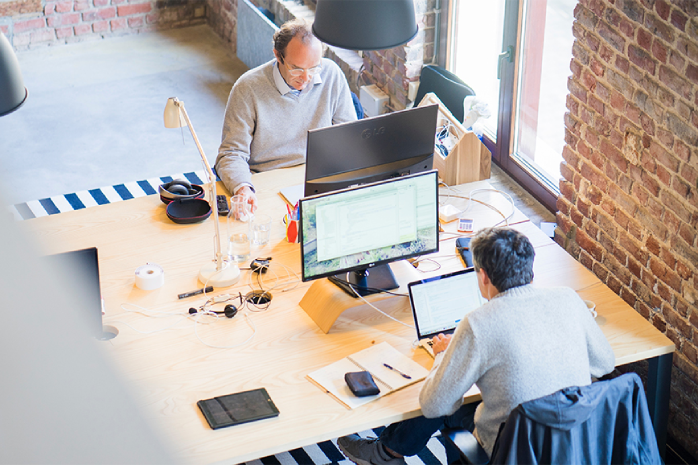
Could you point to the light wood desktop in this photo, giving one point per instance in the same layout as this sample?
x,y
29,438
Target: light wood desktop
x,y
171,370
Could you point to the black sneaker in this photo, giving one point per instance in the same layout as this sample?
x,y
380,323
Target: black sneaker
x,y
366,451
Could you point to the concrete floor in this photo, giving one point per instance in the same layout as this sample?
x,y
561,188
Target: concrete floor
x,y
94,116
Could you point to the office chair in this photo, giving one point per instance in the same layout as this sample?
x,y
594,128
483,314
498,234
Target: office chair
x,y
450,89
557,428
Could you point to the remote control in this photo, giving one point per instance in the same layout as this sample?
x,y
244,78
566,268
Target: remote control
x,y
223,204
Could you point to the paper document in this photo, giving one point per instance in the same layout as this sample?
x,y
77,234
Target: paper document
x,y
373,360
292,194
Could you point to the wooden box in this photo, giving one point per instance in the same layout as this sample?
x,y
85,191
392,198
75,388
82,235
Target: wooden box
x,y
468,160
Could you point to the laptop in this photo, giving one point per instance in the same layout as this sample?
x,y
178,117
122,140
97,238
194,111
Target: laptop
x,y
83,268
440,303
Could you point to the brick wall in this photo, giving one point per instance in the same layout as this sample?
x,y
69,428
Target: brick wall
x,y
392,70
628,208
35,23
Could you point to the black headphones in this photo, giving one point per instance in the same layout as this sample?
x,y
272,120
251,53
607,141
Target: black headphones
x,y
179,187
229,310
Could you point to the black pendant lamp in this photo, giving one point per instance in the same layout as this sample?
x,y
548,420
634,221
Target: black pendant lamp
x,y
365,24
12,90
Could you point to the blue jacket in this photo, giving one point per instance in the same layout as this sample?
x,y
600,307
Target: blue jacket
x,y
604,422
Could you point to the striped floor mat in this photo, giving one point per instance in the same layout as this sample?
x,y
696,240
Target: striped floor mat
x,y
328,453
101,196
317,454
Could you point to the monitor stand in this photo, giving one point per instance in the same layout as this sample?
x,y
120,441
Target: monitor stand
x,y
366,281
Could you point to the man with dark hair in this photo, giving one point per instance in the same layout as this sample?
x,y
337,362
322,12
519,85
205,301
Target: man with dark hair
x,y
523,344
271,108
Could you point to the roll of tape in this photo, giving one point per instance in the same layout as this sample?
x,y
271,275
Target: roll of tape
x,y
150,276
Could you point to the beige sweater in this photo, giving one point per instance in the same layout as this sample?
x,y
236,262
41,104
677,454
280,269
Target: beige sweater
x,y
523,344
265,130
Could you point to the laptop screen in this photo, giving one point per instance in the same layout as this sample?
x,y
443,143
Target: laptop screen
x,y
440,303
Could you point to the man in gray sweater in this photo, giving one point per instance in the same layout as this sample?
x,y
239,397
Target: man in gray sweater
x,y
525,343
271,108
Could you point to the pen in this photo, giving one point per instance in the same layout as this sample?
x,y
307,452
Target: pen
x,y
395,369
196,292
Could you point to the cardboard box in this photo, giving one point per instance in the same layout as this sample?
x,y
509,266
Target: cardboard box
x,y
468,160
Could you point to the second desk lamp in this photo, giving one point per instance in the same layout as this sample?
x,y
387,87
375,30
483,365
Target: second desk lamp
x,y
219,272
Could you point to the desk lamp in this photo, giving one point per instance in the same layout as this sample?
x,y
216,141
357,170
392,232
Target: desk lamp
x,y
220,272
365,24
12,91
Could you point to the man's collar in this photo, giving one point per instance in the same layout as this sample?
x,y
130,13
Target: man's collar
x,y
284,88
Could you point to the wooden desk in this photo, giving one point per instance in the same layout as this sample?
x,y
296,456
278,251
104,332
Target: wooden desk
x,y
171,370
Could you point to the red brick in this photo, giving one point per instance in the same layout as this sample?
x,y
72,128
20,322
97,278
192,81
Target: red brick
x,y
30,24
138,21
674,81
63,32
663,9
659,51
82,29
678,19
119,23
100,26
134,8
81,5
64,7
99,3
684,271
664,175
644,38
588,244
45,35
64,20
687,233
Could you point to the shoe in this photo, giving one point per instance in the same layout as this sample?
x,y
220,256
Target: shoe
x,y
366,451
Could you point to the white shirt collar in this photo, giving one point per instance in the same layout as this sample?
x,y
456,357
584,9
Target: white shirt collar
x,y
285,88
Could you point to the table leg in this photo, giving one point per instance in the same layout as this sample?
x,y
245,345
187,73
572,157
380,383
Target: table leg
x,y
658,386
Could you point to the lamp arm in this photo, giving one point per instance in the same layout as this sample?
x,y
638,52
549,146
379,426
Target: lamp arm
x,y
212,186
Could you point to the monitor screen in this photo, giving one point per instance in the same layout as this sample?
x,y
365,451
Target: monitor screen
x,y
370,150
81,267
361,228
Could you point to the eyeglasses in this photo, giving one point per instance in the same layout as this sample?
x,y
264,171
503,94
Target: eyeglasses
x,y
297,72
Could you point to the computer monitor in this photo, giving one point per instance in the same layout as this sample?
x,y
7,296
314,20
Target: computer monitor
x,y
81,267
370,150
351,235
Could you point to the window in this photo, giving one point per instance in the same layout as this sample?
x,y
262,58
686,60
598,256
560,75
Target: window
x,y
516,56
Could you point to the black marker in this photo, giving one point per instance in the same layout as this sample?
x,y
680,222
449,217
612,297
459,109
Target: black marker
x,y
196,292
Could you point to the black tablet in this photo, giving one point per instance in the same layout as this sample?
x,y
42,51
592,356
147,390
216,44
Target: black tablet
x,y
237,408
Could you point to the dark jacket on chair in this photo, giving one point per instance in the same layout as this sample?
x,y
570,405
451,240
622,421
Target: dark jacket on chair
x,y
605,422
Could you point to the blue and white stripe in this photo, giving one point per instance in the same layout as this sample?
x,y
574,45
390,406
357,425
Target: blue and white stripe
x,y
94,197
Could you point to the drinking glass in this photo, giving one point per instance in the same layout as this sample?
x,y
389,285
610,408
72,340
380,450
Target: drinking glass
x,y
260,229
239,229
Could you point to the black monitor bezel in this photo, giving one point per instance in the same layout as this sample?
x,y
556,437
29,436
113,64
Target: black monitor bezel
x,y
411,150
304,278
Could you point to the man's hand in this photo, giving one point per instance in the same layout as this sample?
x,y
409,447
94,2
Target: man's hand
x,y
249,200
440,342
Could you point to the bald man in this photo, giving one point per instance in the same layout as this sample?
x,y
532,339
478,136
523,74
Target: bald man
x,y
271,108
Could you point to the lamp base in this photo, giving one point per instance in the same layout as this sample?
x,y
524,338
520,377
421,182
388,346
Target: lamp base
x,y
226,277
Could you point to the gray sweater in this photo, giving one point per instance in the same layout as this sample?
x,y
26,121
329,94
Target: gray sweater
x,y
265,130
523,344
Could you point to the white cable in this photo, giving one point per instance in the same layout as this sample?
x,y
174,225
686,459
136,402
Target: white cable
x,y
247,319
374,307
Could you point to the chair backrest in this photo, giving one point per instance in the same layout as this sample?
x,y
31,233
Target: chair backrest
x,y
450,89
604,422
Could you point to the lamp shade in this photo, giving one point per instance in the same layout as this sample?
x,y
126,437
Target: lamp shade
x,y
365,24
173,117
12,90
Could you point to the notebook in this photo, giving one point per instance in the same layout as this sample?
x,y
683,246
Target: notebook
x,y
440,303
400,371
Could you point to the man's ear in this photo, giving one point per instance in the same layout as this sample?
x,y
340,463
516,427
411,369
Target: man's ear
x,y
484,277
279,58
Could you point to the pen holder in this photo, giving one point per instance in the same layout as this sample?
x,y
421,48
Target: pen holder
x,y
291,229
